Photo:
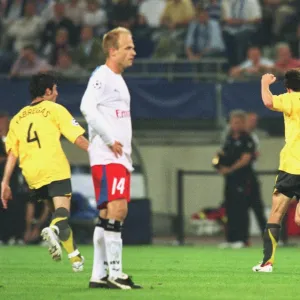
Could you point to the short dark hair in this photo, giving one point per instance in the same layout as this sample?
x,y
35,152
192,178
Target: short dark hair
x,y
39,83
292,80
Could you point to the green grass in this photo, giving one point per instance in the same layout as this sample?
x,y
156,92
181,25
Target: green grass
x,y
165,272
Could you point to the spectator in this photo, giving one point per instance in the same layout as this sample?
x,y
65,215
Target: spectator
x,y
95,17
152,10
27,29
67,69
59,20
240,19
61,44
284,59
255,65
29,63
89,52
75,10
279,11
214,9
177,13
42,5
203,37
124,14
12,11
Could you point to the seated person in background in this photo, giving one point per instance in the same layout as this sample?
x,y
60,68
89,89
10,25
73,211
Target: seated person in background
x,y
151,10
66,68
27,29
203,37
89,52
254,66
95,17
213,8
284,59
51,51
57,21
29,63
123,14
177,13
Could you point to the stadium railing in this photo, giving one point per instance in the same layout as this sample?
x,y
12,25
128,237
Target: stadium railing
x,y
206,68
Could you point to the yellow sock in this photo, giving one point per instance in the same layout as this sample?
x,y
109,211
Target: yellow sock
x,y
66,237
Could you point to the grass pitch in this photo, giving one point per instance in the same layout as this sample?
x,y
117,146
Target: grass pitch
x,y
28,273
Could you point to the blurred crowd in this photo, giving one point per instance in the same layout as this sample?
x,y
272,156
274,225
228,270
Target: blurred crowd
x,y
64,36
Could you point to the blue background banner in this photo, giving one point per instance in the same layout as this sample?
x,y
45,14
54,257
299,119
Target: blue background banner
x,y
155,99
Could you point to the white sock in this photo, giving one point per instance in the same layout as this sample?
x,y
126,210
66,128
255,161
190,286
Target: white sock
x,y
113,246
100,263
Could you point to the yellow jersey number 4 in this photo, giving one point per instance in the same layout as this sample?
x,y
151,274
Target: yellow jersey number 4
x,y
32,136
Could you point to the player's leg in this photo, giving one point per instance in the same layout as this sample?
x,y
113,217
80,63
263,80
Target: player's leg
x,y
59,230
118,196
60,225
280,205
100,268
116,214
99,272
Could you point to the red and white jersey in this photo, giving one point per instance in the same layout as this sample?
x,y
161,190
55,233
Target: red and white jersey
x,y
106,108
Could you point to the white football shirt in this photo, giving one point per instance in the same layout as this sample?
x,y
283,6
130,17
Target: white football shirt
x,y
106,108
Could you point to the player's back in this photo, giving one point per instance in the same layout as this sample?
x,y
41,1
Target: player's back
x,y
37,132
289,104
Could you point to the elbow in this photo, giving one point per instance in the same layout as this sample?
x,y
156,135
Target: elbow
x,y
269,105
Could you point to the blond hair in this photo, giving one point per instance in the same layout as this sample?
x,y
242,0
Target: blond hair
x,y
111,38
237,113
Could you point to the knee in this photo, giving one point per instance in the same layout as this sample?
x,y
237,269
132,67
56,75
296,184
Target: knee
x,y
117,210
61,212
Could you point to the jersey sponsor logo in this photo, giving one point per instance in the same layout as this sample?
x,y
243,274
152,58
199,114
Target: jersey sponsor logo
x,y
74,122
122,113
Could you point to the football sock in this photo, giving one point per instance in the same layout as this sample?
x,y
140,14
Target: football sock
x,y
99,263
113,247
270,238
61,226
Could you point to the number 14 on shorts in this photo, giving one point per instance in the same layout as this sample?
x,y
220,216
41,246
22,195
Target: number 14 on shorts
x,y
118,185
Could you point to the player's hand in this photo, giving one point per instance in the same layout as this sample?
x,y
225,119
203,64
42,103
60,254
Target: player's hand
x,y
224,170
268,79
117,149
5,194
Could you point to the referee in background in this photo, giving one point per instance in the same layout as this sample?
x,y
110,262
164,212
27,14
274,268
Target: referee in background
x,y
235,162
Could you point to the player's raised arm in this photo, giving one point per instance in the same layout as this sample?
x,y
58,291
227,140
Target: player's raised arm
x,y
266,94
89,108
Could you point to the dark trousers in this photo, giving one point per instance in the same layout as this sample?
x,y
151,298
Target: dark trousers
x,y
256,203
236,205
236,46
12,220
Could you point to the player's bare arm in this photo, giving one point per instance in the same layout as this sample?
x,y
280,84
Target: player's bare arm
x,y
82,143
266,94
9,168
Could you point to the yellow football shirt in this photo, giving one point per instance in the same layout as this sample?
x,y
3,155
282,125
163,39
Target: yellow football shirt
x,y
34,136
289,105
